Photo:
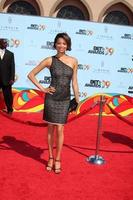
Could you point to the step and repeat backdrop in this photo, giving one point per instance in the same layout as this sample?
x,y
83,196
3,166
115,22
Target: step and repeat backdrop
x,y
104,52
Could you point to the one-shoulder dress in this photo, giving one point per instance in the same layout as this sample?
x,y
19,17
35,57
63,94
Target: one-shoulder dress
x,y
56,105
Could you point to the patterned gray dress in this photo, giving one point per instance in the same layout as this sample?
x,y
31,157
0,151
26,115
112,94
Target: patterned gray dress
x,y
56,105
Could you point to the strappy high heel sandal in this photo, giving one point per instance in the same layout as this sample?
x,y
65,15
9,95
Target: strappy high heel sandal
x,y
50,167
57,170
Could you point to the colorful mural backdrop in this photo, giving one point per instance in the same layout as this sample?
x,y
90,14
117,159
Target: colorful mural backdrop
x,y
104,53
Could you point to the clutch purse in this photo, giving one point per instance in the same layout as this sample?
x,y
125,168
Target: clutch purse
x,y
73,105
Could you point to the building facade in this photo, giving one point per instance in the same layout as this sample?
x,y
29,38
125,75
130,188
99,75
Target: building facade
x,y
108,11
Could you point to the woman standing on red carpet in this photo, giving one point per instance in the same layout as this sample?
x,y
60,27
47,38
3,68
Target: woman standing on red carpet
x,y
63,69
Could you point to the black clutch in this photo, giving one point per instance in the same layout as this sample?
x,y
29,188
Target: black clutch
x,y
73,105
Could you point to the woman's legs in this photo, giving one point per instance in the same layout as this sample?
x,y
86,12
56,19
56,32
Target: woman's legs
x,y
59,140
59,144
51,128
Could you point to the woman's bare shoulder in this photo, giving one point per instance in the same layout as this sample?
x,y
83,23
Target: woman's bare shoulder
x,y
73,59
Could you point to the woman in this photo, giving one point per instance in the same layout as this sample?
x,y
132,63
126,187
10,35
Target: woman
x,y
63,69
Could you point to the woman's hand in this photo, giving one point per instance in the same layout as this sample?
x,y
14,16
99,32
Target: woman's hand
x,y
77,101
49,90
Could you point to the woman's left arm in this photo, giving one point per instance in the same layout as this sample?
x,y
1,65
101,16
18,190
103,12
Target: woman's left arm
x,y
75,81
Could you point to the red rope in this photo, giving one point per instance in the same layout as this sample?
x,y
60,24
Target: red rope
x,y
82,113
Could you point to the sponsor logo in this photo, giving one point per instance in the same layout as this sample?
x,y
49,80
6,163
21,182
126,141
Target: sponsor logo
x,y
130,90
83,67
101,50
125,70
104,37
46,80
85,32
56,31
48,45
127,36
39,27
98,84
8,28
101,69
58,28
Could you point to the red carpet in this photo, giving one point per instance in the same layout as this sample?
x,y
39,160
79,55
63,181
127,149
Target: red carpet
x,y
23,156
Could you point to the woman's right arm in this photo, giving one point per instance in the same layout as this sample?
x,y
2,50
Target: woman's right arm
x,y
43,64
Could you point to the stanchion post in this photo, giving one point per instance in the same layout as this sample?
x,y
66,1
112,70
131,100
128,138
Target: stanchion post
x,y
96,159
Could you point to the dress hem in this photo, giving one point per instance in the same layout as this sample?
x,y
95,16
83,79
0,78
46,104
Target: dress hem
x,y
54,123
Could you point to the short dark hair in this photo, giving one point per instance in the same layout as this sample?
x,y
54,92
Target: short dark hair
x,y
3,43
66,37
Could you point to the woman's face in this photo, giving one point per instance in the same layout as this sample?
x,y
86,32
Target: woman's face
x,y
61,45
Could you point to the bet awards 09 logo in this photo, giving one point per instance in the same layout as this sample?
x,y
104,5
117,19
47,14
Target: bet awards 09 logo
x,y
39,27
98,84
101,50
125,70
83,67
46,80
85,32
127,36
